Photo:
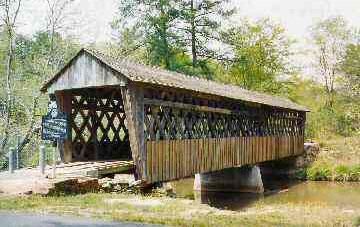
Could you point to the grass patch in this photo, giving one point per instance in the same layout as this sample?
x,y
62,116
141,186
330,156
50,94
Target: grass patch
x,y
180,212
339,160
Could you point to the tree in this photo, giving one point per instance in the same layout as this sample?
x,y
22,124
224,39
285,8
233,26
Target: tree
x,y
56,22
9,11
259,54
351,68
330,37
156,21
200,22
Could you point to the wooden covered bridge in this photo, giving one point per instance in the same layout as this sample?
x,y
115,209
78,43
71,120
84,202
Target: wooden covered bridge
x,y
171,125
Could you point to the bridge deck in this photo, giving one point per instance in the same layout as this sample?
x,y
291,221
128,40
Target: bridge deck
x,y
92,168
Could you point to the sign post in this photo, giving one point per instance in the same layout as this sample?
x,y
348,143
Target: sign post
x,y
55,127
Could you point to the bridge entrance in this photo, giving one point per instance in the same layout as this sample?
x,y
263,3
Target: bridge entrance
x,y
98,124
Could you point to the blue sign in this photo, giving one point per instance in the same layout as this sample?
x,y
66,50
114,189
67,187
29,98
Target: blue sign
x,y
55,126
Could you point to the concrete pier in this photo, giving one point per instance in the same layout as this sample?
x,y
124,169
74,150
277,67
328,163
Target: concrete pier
x,y
238,179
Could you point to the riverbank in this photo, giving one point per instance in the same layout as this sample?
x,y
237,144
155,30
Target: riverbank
x,y
280,209
338,160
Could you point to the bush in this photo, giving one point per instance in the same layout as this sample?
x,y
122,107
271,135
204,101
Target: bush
x,y
318,172
342,173
357,221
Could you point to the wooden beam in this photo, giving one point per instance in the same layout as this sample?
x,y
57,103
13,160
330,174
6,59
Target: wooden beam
x,y
133,98
179,105
63,100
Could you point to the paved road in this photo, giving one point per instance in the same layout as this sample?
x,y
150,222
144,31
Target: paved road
x,y
9,219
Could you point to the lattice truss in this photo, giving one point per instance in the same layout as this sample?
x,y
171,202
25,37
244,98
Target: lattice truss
x,y
164,122
99,125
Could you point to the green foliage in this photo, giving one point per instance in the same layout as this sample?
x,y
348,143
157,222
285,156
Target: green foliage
x,y
319,171
261,54
357,222
156,21
330,37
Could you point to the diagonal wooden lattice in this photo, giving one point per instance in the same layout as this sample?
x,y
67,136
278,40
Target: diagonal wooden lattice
x,y
170,122
98,122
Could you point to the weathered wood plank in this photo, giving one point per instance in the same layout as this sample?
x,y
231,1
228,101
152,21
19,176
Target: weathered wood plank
x,y
133,98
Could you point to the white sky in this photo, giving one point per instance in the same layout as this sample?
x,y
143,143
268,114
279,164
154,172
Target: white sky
x,y
295,15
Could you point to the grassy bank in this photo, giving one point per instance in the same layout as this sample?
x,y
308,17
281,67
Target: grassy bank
x,y
339,160
160,210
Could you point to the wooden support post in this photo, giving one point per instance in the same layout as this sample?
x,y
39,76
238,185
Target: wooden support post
x,y
42,160
11,160
65,106
133,98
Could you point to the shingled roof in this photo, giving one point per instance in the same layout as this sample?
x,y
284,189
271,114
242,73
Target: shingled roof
x,y
152,75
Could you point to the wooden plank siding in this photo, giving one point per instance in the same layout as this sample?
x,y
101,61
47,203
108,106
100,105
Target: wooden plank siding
x,y
175,159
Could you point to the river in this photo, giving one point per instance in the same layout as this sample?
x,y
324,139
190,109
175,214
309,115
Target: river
x,y
345,194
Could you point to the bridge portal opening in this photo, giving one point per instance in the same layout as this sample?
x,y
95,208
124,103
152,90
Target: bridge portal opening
x,y
98,125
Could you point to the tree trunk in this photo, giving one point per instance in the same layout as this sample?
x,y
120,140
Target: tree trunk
x,y
193,36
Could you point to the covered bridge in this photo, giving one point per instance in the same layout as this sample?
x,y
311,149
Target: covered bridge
x,y
171,125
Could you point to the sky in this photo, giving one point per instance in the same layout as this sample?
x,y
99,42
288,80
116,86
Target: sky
x,y
296,16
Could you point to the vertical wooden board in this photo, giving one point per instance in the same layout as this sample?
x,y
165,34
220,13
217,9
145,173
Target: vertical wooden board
x,y
163,159
288,146
263,149
207,144
192,156
219,161
173,161
159,149
149,161
278,148
180,151
189,157
260,149
252,148
228,148
216,154
251,151
176,154
184,157
169,145
285,146
226,152
154,162
183,144
246,150
168,160
241,151
268,148
237,151
209,155
234,149
281,146
222,153
200,157
255,149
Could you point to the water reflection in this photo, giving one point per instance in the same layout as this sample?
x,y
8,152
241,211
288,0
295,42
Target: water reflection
x,y
345,195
